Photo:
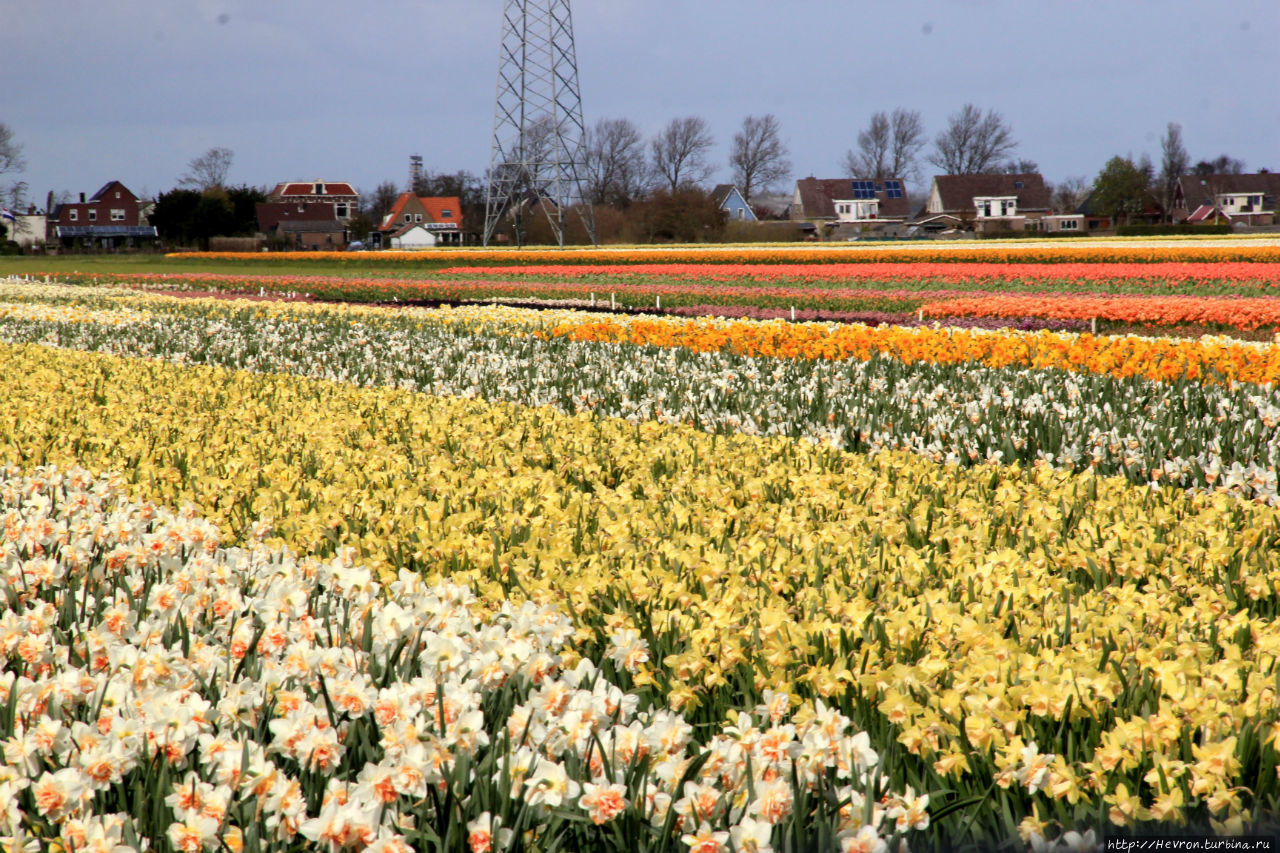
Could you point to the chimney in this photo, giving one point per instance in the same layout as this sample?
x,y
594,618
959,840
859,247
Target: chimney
x,y
82,198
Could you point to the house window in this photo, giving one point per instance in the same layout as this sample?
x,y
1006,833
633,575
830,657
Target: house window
x,y
340,210
117,193
408,217
986,208
117,214
73,214
741,213
417,217
319,189
446,214
93,215
1017,185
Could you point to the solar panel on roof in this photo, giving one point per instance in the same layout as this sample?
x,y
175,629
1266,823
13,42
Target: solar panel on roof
x,y
864,189
893,189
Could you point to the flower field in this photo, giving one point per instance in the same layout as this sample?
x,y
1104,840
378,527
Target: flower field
x,y
309,576
1228,296
1086,251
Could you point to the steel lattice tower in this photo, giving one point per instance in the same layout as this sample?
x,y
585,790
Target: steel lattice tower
x,y
537,158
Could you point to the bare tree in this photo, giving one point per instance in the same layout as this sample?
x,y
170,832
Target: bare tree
x,y
10,152
871,159
1220,165
758,157
679,152
973,143
614,162
1174,163
1067,196
1022,166
379,203
209,170
888,147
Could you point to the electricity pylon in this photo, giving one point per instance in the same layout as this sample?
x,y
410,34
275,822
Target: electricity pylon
x,y
537,159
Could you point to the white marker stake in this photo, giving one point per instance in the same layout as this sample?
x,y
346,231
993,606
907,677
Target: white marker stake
x,y
593,300
613,306
657,302
793,313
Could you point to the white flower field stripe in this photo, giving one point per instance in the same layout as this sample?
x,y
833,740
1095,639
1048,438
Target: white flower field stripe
x,y
1184,433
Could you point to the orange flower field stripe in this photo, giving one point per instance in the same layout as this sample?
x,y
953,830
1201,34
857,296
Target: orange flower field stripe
x,y
1161,359
1239,313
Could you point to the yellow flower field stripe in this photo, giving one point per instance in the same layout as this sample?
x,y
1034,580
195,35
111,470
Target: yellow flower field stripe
x,y
1162,359
976,609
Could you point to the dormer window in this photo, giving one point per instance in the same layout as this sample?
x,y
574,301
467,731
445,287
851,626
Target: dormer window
x,y
319,189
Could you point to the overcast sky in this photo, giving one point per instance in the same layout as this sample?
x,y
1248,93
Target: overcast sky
x,y
97,90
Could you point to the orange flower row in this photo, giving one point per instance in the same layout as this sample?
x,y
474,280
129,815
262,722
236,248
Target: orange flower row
x,y
1163,359
1002,253
1241,313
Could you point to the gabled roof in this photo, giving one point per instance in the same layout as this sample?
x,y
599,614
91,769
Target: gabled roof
x,y
957,192
1206,211
443,209
331,188
818,196
407,227
393,216
107,186
722,192
1201,189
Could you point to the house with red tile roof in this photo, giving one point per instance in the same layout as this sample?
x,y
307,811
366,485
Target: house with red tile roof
x,y
419,222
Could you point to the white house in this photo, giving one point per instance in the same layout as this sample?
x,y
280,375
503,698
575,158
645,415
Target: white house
x,y
415,236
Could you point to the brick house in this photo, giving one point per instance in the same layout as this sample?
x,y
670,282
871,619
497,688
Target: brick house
x,y
419,222
984,203
111,219
343,196
302,225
